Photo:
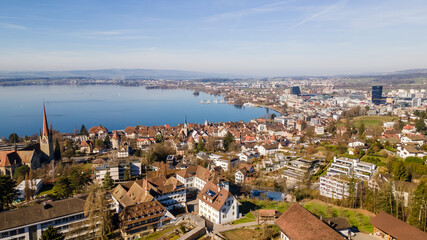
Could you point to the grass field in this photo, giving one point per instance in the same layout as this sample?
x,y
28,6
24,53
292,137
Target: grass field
x,y
250,233
248,218
356,217
159,234
372,121
46,189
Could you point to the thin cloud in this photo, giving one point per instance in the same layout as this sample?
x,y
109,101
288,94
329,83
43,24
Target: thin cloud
x,y
112,35
12,26
248,11
315,15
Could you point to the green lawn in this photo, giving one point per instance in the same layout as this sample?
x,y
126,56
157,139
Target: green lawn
x,y
254,204
158,234
372,121
46,189
248,218
354,217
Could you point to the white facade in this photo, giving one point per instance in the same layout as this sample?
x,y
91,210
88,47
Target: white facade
x,y
334,187
34,185
228,212
352,167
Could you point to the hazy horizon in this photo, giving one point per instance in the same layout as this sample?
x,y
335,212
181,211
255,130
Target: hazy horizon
x,y
251,38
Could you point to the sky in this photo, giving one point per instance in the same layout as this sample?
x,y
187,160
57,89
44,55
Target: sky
x,y
257,38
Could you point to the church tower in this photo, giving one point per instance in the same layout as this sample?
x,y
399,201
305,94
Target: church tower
x,y
46,144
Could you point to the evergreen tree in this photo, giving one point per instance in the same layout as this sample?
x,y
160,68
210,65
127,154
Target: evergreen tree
x,y
7,191
418,213
98,217
386,201
108,182
78,179
107,142
228,140
127,174
420,125
399,171
57,151
83,130
52,233
62,188
361,130
13,138
201,145
20,172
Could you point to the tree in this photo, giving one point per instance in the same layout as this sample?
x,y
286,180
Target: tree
x,y
78,179
352,193
361,130
27,189
83,130
418,214
107,142
13,138
127,174
51,233
228,140
98,219
20,172
7,191
200,145
62,188
399,171
57,151
420,125
159,152
108,182
386,201
138,153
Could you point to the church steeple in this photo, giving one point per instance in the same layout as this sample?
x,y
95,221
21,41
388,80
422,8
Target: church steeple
x,y
45,125
46,144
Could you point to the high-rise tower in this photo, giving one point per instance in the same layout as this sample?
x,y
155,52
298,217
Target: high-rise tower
x,y
46,144
377,95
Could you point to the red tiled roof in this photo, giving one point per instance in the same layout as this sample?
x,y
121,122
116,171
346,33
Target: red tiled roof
x,y
298,223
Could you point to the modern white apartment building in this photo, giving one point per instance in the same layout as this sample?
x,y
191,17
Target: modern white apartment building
x,y
117,170
352,168
337,187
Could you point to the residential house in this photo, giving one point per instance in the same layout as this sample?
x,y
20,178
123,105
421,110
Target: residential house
x,y
245,174
141,218
410,150
217,204
337,187
296,223
389,227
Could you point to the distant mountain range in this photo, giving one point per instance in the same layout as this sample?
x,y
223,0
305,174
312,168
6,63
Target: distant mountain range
x,y
133,74
120,74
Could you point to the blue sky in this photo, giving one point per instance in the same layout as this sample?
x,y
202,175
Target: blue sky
x,y
260,38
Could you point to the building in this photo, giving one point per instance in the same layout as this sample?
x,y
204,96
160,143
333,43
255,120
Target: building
x,y
300,168
115,140
46,144
226,162
9,160
295,90
297,223
245,174
170,192
410,150
142,217
389,227
28,223
340,225
337,187
35,186
377,95
352,168
117,170
197,176
217,204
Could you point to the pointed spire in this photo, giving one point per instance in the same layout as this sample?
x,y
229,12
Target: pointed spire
x,y
45,126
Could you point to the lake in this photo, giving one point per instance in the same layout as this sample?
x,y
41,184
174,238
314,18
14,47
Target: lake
x,y
114,107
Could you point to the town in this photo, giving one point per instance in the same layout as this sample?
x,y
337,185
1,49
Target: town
x,y
327,162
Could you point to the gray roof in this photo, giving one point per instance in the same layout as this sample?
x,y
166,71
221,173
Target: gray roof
x,y
37,213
